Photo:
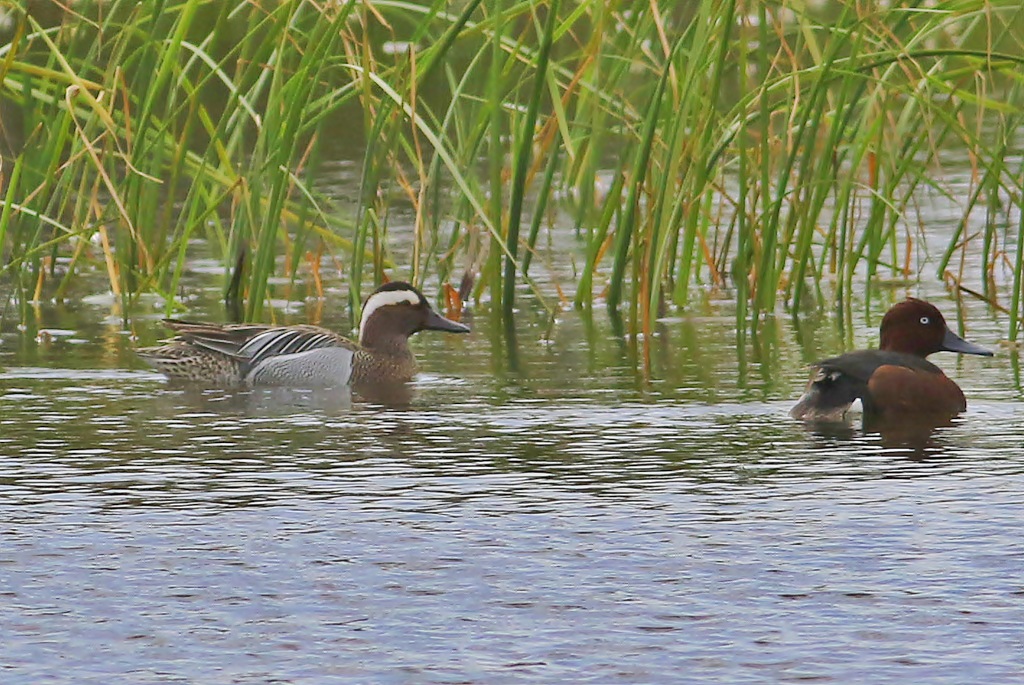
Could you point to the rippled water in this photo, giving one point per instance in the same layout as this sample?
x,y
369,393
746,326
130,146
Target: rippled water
x,y
561,514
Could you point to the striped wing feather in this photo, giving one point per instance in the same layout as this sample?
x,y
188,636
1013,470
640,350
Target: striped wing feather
x,y
255,343
279,342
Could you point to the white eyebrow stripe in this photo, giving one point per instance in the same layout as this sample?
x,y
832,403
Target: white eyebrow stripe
x,y
385,299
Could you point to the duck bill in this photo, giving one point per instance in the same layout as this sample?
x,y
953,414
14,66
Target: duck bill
x,y
952,342
436,322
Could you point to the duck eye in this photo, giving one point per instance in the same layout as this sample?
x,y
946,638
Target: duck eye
x,y
925,321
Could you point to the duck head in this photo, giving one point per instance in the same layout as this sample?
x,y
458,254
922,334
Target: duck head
x,y
917,327
397,310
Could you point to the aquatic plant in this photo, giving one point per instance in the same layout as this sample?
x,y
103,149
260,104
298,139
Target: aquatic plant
x,y
778,149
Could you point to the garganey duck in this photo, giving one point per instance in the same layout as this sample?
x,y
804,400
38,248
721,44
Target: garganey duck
x,y
303,355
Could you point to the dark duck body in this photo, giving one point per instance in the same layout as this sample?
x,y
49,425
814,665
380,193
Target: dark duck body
x,y
895,381
304,356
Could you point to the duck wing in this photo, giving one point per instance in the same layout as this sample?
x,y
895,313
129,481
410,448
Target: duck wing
x,y
282,341
223,338
837,382
862,364
275,355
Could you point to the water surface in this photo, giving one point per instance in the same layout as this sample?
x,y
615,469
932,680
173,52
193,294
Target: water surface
x,y
566,513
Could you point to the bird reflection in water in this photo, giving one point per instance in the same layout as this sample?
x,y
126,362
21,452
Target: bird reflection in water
x,y
285,401
918,437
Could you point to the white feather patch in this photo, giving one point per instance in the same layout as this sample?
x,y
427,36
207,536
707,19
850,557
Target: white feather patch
x,y
384,299
319,368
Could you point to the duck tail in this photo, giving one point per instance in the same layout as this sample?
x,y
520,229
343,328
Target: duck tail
x,y
828,396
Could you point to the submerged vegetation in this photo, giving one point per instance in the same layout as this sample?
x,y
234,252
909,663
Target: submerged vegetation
x,y
779,149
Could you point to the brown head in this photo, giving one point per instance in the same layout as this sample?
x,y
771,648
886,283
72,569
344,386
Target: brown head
x,y
917,327
396,311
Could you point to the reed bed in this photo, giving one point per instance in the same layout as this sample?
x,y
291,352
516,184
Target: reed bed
x,y
779,150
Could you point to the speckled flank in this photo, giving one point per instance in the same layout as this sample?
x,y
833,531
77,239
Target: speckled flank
x,y
184,362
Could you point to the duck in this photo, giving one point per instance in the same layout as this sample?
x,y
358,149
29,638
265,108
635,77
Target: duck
x,y
896,381
240,355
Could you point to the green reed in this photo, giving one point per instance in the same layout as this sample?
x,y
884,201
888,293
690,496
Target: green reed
x,y
770,149
152,137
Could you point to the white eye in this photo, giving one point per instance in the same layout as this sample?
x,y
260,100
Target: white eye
x,y
925,321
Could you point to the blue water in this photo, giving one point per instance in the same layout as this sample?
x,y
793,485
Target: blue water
x,y
572,519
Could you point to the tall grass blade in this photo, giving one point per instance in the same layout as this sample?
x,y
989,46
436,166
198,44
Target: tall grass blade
x,y
522,161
